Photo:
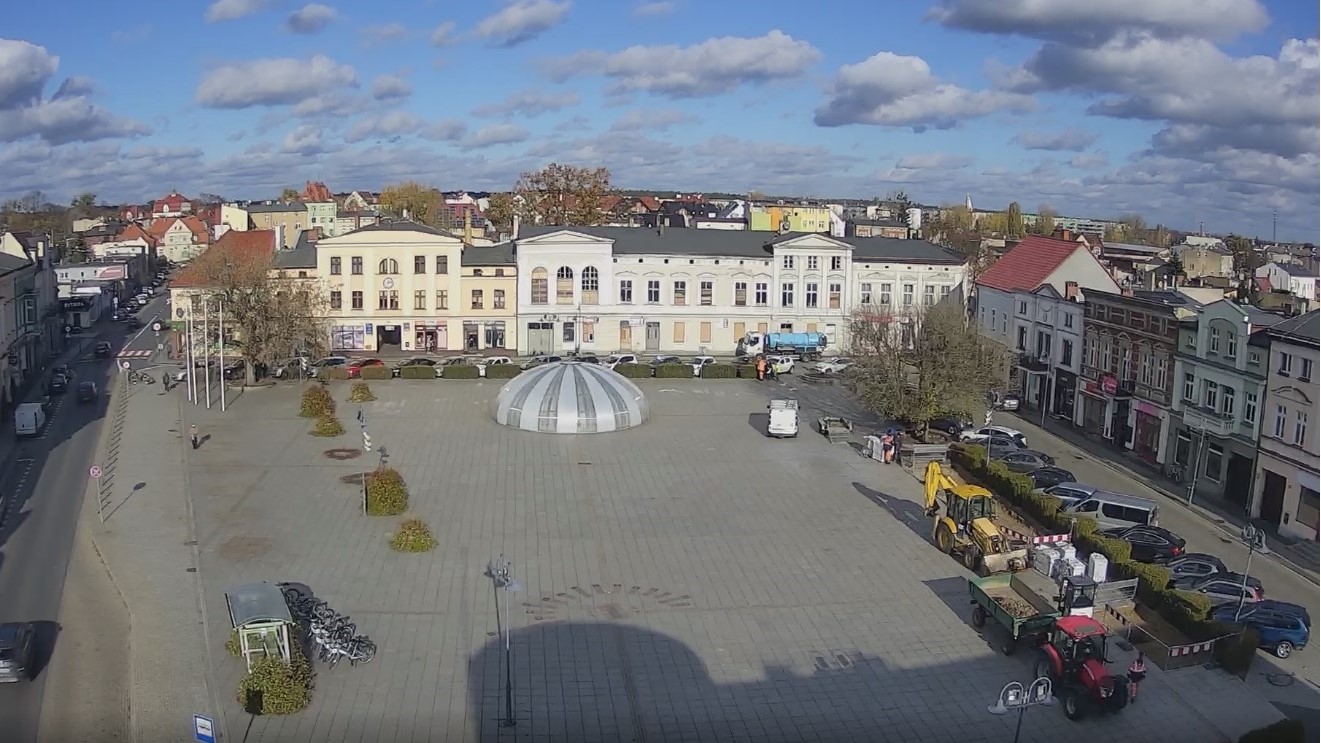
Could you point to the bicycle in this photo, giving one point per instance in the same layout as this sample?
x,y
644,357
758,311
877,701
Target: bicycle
x,y
1174,472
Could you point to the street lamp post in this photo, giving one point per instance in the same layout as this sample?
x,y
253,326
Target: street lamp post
x,y
1255,539
1015,696
501,573
987,444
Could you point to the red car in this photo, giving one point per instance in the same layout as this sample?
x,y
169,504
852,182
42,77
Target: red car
x,y
355,367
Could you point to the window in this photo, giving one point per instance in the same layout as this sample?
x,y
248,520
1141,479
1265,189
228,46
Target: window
x,y
1286,364
1189,387
420,299
1211,396
945,289
1300,427
788,262
1227,403
1146,366
836,263
704,332
761,294
568,332
1231,345
908,295
1022,307
477,301
626,291
740,293
678,333
928,295
810,295
653,292
387,300
864,295
356,299
1304,369
498,299
419,264
355,266
1215,340
681,292
1249,407
335,266
564,285
885,295
540,285
589,332
786,295
336,300
835,297
1066,352
387,266
813,263
591,285
1254,358
443,264
1089,352
707,293
1281,415
442,300
1021,343
1162,371
1215,456
1068,320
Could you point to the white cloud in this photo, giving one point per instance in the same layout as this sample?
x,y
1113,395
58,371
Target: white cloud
x,y
232,10
528,103
889,89
67,116
384,33
272,82
390,87
388,125
493,135
933,161
311,18
332,105
653,9
522,21
445,130
655,121
25,69
443,35
712,67
1088,161
305,140
1069,140
1070,20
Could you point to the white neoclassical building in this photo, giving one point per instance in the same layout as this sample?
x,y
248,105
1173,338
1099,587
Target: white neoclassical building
x,y
606,289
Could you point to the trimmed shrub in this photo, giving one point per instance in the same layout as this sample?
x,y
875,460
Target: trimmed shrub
x,y
333,374
328,426
317,402
387,495
413,536
502,371
674,371
361,392
418,371
232,645
745,371
636,371
460,371
376,372
283,688
720,371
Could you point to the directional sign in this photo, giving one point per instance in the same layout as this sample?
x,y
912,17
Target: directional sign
x,y
204,729
988,417
366,441
95,472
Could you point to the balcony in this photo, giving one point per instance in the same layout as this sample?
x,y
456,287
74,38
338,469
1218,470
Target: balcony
x,y
1208,421
1033,364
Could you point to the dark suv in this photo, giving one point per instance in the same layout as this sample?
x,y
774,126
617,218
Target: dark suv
x,y
18,652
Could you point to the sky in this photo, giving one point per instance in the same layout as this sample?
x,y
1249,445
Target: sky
x,y
1188,112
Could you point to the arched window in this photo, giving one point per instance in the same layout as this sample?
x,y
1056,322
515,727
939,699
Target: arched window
x,y
388,266
540,286
564,285
591,285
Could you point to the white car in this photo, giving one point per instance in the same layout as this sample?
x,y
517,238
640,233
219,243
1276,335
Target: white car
x,y
615,359
986,432
781,364
834,365
492,361
698,362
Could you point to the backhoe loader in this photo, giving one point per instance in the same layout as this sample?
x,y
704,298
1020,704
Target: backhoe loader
x,y
966,530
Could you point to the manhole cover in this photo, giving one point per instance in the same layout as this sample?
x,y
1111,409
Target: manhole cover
x,y
341,455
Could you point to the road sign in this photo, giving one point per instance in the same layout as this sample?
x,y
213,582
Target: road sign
x,y
204,729
124,365
988,417
366,441
95,472
156,326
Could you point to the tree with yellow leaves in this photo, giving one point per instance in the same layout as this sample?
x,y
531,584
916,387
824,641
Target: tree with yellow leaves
x,y
563,195
419,202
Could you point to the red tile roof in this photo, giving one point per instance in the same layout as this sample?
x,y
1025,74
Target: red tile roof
x,y
1029,264
247,245
201,234
1263,284
135,232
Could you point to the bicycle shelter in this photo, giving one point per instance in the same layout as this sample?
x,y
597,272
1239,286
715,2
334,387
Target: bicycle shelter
x,y
260,616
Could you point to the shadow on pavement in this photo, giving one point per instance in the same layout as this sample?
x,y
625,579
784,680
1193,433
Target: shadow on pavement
x,y
760,421
47,634
907,512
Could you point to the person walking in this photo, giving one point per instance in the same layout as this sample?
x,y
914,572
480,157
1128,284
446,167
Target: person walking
x,y
192,434
1137,671
761,368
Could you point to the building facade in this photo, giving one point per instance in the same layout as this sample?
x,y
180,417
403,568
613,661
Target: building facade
x,y
1285,486
788,218
182,239
1047,345
286,219
489,286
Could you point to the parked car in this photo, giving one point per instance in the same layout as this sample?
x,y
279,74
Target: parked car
x,y
356,366
87,392
490,361
658,360
18,651
834,365
980,435
290,368
1045,477
102,350
951,425
1282,627
615,359
700,361
315,367
1004,401
584,358
1068,493
1150,543
1223,588
63,370
1026,460
781,364
536,361
235,370
415,361
59,384
1194,565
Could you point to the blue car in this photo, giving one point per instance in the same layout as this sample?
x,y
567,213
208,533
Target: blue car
x,y
1283,627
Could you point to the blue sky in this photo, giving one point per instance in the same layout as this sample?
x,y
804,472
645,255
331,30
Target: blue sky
x,y
1185,111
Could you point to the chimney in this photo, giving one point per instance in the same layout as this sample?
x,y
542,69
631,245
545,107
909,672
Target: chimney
x,y
516,222
279,237
1071,291
1066,234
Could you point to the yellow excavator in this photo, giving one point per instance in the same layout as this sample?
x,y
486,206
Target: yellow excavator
x,y
966,529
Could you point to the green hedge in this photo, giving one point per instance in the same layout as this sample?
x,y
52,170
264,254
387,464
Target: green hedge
x,y
674,371
417,371
1284,731
719,371
376,372
333,373
502,371
460,371
636,371
745,371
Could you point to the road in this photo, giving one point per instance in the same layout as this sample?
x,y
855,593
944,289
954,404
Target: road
x,y
45,481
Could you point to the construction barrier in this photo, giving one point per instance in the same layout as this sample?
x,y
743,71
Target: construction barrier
x,y
1168,657
1048,539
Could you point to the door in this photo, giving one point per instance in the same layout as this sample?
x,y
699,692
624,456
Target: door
x,y
625,336
442,338
540,337
1272,497
653,336
1238,478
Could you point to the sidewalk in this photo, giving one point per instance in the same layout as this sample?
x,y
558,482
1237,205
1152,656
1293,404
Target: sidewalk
x,y
1301,556
148,545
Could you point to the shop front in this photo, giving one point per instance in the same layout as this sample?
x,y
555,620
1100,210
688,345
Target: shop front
x,y
1149,423
1093,414
1066,387
430,336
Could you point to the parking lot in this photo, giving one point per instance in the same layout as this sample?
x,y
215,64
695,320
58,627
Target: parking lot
x,y
691,579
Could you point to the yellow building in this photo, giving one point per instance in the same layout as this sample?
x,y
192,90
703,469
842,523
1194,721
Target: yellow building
x,y
403,286
788,218
286,219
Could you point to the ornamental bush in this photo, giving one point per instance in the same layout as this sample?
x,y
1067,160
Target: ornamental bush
x,y
333,374
274,687
413,536
387,494
635,371
376,372
317,402
460,371
361,392
720,371
502,371
745,371
674,371
328,426
418,371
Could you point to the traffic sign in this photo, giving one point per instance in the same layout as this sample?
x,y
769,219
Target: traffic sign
x,y
988,417
366,441
95,472
124,365
204,729
156,326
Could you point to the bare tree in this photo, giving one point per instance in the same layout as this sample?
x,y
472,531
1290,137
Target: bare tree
x,y
563,195
915,367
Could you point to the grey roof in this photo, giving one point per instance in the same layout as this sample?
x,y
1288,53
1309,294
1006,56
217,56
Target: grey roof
x,y
302,255
1261,318
257,602
10,263
296,206
1303,328
1130,248
749,244
401,225
1293,269
500,254
571,397
351,213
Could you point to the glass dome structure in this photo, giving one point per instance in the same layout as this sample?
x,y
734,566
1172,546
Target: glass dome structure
x,y
570,397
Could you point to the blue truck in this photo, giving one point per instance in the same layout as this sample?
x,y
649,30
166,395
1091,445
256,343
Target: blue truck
x,y
808,346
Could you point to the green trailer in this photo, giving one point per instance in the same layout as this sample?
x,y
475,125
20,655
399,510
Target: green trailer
x,y
1009,601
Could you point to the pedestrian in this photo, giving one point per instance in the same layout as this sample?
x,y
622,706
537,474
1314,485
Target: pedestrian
x,y
192,434
887,447
165,380
761,368
898,445
1137,671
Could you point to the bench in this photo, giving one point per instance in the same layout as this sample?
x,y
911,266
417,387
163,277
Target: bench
x,y
920,455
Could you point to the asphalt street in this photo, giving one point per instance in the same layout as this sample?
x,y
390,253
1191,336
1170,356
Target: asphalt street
x,y
45,480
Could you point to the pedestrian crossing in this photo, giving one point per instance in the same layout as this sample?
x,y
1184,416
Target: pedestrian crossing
x,y
134,354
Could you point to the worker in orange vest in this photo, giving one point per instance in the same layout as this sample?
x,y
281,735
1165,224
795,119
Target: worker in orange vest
x,y
1137,671
761,368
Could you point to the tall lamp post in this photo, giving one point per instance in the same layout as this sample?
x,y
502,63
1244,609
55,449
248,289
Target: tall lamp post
x,y
501,573
1015,696
1255,539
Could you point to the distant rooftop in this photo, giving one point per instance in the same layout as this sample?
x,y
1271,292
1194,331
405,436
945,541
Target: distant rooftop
x,y
1303,328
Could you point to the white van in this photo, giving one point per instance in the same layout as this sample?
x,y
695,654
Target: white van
x,y
1116,510
782,418
29,419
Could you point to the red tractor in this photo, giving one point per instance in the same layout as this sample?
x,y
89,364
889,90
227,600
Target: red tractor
x,y
1074,659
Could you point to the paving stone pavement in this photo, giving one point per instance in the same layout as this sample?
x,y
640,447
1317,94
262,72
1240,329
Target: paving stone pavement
x,y
689,580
